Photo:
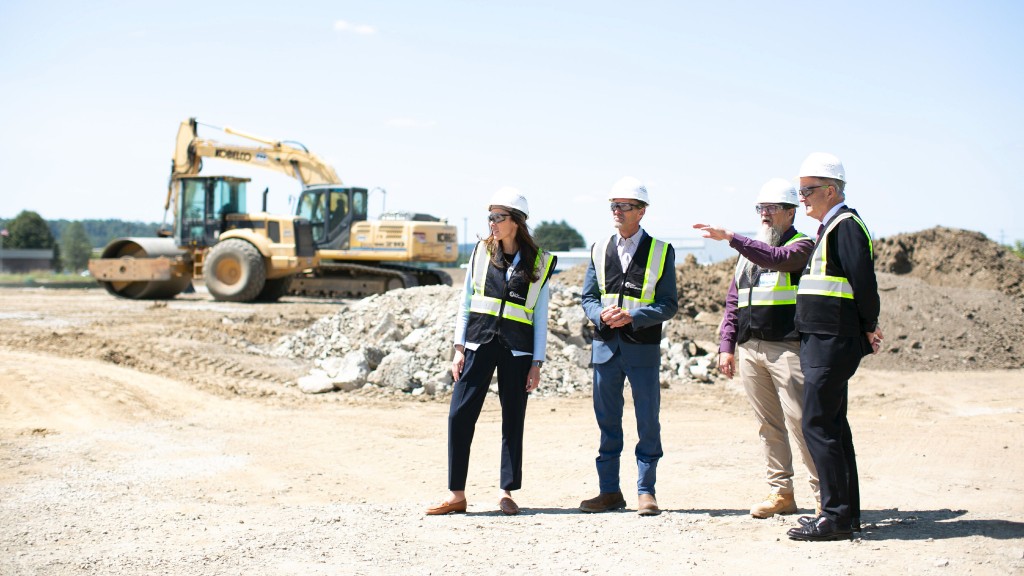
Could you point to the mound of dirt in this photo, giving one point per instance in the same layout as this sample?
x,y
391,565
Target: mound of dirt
x,y
952,257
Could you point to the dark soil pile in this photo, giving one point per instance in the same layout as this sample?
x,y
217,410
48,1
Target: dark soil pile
x,y
951,300
954,258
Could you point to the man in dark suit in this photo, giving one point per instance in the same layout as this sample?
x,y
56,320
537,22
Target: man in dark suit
x,y
837,310
628,292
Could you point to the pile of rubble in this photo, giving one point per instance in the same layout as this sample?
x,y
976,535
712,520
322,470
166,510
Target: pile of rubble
x,y
401,341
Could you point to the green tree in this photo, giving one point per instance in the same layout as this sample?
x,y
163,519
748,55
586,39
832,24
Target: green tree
x,y
76,247
29,230
1017,248
557,236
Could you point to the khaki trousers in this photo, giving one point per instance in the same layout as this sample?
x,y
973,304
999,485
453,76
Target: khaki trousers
x,y
771,375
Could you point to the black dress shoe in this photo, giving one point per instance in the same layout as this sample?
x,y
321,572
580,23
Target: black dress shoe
x,y
805,520
819,530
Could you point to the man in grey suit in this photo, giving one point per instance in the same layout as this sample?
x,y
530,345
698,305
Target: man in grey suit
x,y
628,292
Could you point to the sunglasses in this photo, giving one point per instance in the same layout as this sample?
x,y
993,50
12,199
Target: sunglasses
x,y
808,190
497,217
624,206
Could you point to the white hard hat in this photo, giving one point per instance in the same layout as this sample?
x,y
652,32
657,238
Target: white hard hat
x,y
512,199
778,191
629,187
823,165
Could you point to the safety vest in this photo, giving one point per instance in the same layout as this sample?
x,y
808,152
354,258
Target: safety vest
x,y
629,289
825,301
497,297
766,311
815,281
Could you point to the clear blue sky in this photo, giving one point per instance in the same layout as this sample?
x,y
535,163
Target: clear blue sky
x,y
443,102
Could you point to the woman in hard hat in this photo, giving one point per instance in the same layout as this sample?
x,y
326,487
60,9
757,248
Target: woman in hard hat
x,y
502,324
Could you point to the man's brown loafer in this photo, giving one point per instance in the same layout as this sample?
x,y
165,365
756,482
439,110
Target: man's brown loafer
x,y
447,507
508,506
648,506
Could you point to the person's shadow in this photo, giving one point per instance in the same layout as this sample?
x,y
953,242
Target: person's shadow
x,y
889,524
935,524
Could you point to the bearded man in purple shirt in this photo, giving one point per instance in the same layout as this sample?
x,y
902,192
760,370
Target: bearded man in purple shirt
x,y
761,343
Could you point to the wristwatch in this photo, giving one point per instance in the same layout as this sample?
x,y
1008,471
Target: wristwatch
x,y
538,363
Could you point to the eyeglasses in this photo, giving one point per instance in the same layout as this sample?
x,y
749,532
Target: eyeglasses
x,y
497,217
768,209
808,190
624,206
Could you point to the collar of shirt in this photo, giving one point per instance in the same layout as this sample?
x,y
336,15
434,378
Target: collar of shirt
x,y
629,244
832,212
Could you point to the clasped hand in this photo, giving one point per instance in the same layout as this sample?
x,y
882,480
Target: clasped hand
x,y
615,317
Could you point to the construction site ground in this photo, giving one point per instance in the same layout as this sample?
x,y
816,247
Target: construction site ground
x,y
157,438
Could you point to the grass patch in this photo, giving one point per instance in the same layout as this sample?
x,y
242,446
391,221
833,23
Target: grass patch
x,y
43,278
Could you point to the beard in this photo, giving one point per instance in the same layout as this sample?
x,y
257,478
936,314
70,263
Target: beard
x,y
771,235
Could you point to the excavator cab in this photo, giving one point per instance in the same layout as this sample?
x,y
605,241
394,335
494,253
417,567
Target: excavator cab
x,y
332,211
206,202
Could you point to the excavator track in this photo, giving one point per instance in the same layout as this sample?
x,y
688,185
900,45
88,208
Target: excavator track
x,y
424,276
343,280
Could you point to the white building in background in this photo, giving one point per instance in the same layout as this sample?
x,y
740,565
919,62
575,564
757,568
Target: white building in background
x,y
705,250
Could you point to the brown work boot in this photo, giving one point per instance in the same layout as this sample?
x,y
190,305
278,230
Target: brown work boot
x,y
604,502
774,504
648,505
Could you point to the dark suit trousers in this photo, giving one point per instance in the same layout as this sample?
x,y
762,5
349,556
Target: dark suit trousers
x,y
828,363
468,399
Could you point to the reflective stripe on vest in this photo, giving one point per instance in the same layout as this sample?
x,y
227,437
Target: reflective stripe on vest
x,y
816,282
782,293
489,305
654,268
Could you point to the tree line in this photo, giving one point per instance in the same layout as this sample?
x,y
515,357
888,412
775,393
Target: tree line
x,y
72,241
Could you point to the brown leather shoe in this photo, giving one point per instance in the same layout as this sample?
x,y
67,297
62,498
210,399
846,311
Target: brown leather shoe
x,y
648,505
508,506
604,502
447,507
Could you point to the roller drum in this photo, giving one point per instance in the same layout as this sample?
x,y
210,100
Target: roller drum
x,y
147,248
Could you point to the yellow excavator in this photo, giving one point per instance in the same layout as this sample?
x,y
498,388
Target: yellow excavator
x,y
336,251
241,256
355,256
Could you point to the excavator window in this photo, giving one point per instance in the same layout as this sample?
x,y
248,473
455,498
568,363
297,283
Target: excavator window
x,y
311,207
339,208
359,203
205,203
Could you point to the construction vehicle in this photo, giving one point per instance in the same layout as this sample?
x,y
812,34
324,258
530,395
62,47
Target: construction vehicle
x,y
355,256
241,257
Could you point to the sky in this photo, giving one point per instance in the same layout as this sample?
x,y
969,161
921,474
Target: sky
x,y
442,103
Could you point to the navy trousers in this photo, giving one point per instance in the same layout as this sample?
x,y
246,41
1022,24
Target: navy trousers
x,y
468,399
828,363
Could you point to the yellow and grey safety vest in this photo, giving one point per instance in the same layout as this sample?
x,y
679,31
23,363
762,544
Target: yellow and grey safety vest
x,y
826,302
816,281
497,297
630,289
765,311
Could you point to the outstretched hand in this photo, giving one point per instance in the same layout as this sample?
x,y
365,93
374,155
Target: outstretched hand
x,y
713,232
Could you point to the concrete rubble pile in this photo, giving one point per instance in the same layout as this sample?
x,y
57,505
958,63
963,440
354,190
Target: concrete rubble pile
x,y
401,342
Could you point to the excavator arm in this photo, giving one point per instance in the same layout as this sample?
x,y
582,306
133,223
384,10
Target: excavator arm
x,y
294,161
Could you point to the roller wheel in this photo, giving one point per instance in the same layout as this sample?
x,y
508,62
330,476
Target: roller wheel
x,y
234,271
140,248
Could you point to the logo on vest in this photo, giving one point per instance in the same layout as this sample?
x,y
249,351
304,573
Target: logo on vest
x,y
631,286
514,294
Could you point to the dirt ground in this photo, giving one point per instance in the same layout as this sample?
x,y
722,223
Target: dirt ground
x,y
159,438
